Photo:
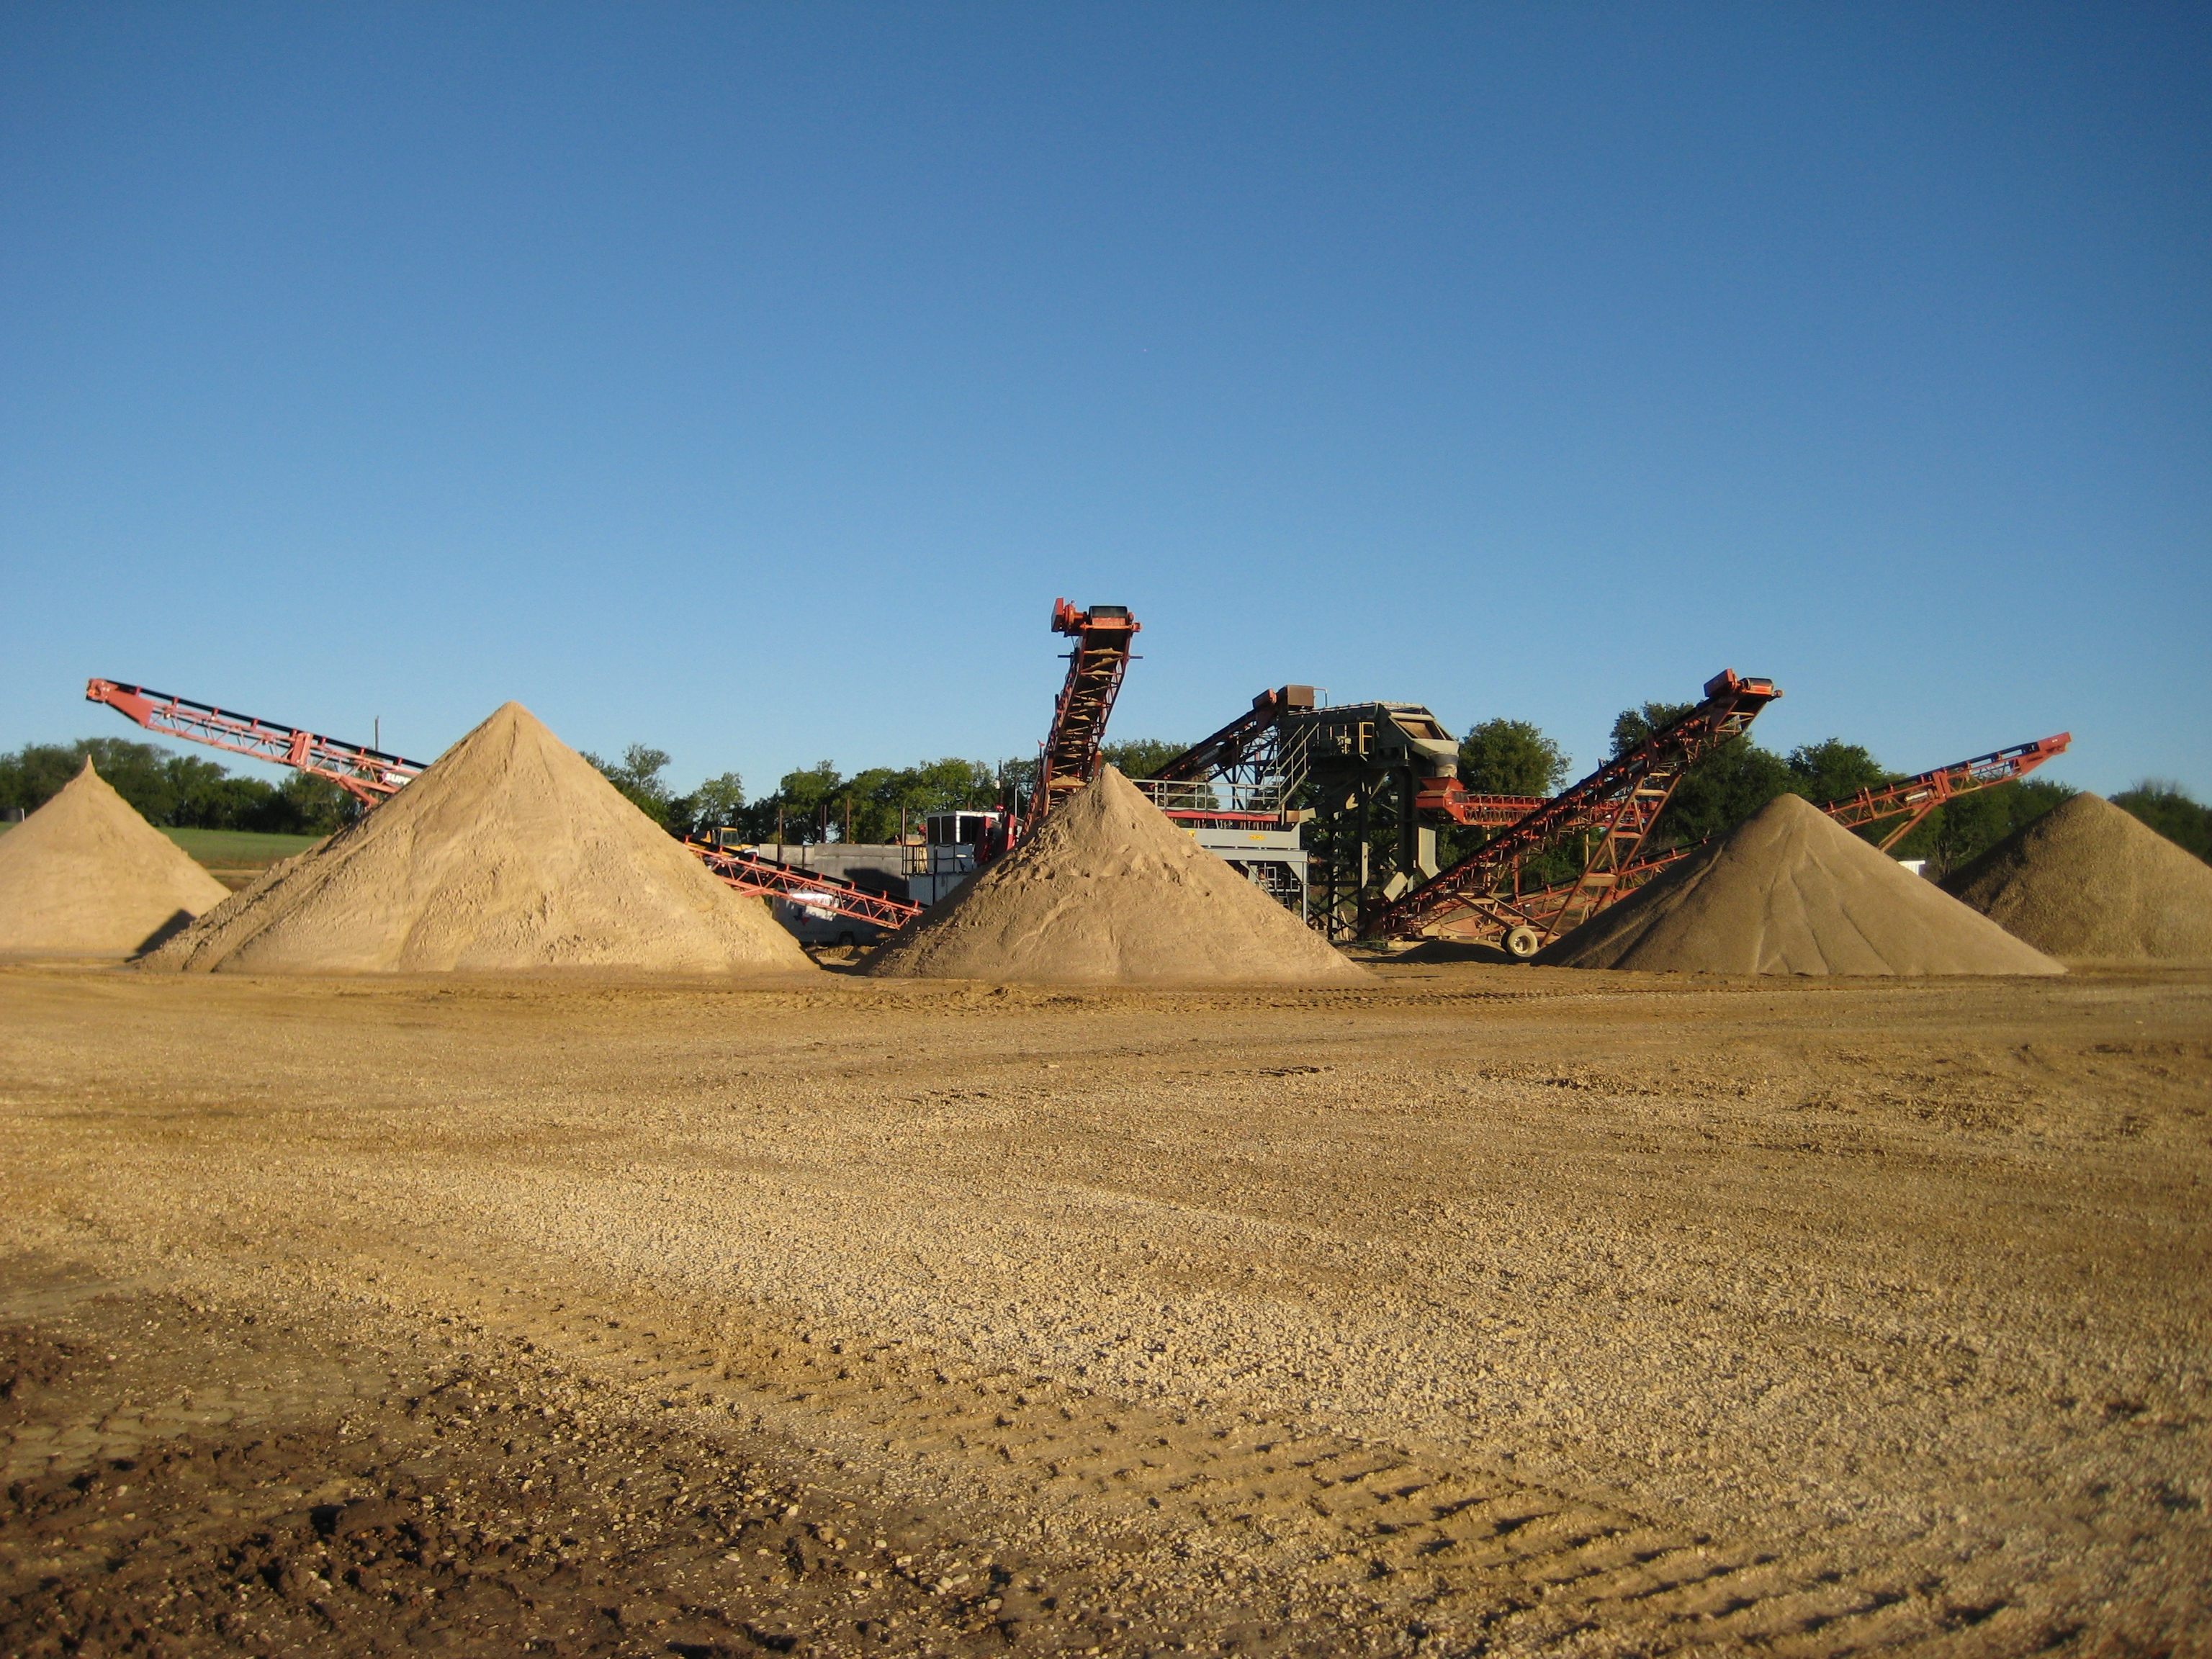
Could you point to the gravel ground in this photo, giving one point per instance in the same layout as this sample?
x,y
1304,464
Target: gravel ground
x,y
1482,1309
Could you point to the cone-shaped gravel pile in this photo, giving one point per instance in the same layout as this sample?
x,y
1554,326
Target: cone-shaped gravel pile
x,y
1791,891
512,853
1110,890
2091,881
85,876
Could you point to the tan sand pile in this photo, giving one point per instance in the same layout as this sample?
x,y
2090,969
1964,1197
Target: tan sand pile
x,y
511,853
1791,891
1109,890
2090,881
85,876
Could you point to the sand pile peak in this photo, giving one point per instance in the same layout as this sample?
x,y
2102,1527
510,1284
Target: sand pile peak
x,y
1110,890
85,875
1792,891
2090,881
511,853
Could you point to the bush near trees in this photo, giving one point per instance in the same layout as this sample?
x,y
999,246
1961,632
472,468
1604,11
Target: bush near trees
x,y
714,802
637,775
1504,757
180,792
820,803
1832,768
816,803
1139,757
1510,757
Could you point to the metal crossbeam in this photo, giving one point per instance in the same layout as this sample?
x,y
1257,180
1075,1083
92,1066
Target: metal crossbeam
x,y
1914,797
1611,812
1909,801
1233,745
1463,806
750,873
1070,761
369,776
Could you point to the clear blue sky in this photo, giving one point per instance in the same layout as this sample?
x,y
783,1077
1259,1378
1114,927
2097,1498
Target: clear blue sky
x,y
749,380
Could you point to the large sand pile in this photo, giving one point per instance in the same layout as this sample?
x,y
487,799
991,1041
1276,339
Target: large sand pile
x,y
1109,890
1791,891
511,853
85,876
2090,881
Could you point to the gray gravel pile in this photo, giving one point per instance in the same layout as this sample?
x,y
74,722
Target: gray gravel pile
x,y
2093,883
1792,891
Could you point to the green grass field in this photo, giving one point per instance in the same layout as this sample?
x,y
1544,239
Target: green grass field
x,y
237,850
233,849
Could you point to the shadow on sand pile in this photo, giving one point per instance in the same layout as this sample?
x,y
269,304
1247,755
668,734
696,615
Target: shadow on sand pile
x,y
1792,891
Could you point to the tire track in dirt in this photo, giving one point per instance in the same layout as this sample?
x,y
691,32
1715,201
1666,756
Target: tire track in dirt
x,y
463,1509
1394,1544
1412,1549
295,1391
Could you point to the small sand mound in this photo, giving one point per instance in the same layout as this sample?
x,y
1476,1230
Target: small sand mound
x,y
512,853
1791,891
85,876
1110,890
2090,881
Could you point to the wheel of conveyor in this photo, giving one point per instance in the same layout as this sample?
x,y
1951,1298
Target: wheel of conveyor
x,y
1522,942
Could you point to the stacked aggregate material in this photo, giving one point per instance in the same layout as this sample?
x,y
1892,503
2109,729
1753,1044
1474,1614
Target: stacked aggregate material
x,y
511,853
177,950
1110,890
86,876
1791,891
2090,881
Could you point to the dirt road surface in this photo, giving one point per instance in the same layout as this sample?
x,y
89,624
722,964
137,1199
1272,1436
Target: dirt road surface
x,y
1482,1310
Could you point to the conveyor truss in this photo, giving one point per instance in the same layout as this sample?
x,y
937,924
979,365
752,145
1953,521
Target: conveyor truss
x,y
751,871
1900,806
1255,773
1070,758
1609,815
371,777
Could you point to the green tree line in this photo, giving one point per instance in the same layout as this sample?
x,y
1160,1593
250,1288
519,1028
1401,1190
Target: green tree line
x,y
814,804
819,803
175,791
